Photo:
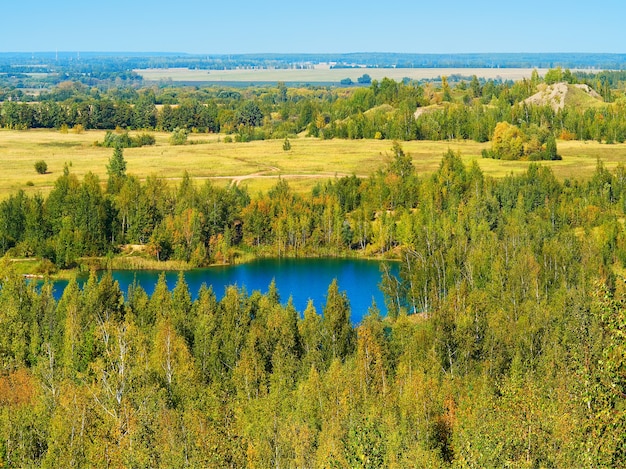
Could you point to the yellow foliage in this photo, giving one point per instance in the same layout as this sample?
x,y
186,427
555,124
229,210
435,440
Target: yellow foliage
x,y
508,141
17,388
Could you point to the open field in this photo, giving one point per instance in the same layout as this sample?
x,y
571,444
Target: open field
x,y
324,74
257,164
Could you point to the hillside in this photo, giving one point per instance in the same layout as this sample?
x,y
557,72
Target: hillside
x,y
560,95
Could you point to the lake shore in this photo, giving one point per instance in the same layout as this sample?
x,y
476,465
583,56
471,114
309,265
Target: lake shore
x,y
42,268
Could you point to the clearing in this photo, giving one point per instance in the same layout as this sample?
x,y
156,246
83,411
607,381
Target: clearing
x,y
257,164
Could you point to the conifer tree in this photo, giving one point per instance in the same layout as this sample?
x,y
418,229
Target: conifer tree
x,y
116,169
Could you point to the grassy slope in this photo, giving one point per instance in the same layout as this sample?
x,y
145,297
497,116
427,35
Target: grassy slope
x,y
264,160
579,99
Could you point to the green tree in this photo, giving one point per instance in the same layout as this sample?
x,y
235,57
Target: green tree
x,y
172,363
249,114
205,327
160,305
550,151
179,136
74,333
364,79
93,217
338,341
286,145
608,402
181,317
133,212
475,87
554,75
445,88
311,334
15,302
116,169
12,219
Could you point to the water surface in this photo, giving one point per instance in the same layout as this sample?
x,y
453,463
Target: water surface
x,y
300,279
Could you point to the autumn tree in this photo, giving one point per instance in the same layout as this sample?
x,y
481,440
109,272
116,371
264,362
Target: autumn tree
x,y
338,339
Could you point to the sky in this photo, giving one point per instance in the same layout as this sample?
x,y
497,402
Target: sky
x,y
318,26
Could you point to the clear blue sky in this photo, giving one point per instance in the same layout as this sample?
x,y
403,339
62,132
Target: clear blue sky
x,y
244,26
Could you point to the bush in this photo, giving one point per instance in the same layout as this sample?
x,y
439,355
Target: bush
x,y
114,140
249,134
179,136
144,139
46,267
242,138
41,167
124,140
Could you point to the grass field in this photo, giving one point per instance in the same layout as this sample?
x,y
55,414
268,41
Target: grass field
x,y
257,164
324,74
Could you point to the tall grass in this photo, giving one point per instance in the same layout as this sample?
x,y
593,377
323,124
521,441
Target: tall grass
x,y
257,164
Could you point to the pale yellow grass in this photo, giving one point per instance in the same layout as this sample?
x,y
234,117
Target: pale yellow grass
x,y
257,165
324,74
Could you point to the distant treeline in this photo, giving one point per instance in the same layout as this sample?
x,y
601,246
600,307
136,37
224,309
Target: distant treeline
x,y
47,69
59,61
455,107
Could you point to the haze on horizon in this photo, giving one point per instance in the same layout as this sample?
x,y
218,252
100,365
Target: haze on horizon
x,y
483,26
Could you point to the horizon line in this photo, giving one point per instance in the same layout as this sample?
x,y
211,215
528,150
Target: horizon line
x,y
109,52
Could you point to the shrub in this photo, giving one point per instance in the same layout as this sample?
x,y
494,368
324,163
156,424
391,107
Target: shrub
x,y
41,167
124,140
114,140
179,136
46,267
144,139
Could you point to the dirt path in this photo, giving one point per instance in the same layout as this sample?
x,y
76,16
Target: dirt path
x,y
261,175
265,174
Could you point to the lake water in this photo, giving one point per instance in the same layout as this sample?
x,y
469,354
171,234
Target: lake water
x,y
302,279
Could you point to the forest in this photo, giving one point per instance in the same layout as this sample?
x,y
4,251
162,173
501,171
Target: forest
x,y
202,224
503,345
454,107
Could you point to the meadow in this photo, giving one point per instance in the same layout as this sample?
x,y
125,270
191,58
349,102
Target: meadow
x,y
324,74
257,164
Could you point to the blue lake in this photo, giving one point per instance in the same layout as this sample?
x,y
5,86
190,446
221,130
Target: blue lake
x,y
300,279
